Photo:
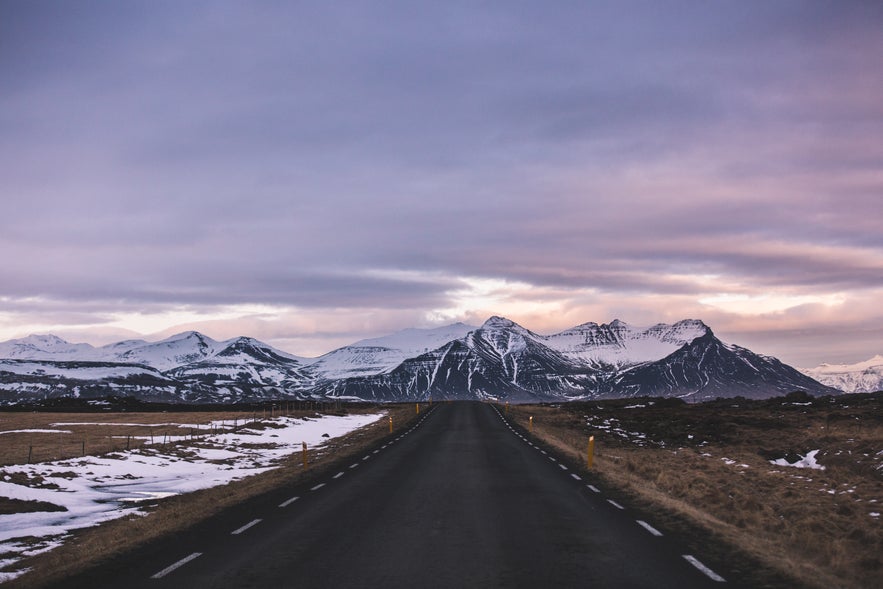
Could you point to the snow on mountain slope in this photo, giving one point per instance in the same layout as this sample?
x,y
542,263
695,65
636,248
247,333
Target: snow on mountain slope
x,y
382,354
619,344
85,371
46,347
246,362
180,349
862,377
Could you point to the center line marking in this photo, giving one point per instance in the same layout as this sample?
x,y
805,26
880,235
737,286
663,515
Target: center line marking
x,y
366,458
649,528
708,572
245,527
615,504
177,565
317,487
575,476
288,502
562,466
338,475
354,465
594,488
375,451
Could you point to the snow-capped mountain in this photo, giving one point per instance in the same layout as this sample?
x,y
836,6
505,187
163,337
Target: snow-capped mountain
x,y
619,344
382,354
45,347
862,377
500,360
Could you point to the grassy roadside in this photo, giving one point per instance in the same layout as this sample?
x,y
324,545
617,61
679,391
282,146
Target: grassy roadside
x,y
89,547
708,466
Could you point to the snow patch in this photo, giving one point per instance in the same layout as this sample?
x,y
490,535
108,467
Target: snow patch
x,y
808,461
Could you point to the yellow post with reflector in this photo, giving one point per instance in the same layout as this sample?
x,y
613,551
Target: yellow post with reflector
x,y
418,408
390,424
590,453
530,424
305,453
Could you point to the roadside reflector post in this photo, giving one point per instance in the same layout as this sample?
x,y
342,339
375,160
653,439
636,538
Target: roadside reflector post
x,y
305,453
590,455
418,408
530,424
390,424
507,407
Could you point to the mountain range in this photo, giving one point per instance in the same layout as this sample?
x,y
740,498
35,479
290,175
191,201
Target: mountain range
x,y
498,360
862,377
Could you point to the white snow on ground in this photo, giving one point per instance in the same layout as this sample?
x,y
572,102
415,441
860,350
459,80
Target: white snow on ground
x,y
808,461
94,489
35,431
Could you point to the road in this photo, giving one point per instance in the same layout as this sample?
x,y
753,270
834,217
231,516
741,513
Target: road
x,y
462,499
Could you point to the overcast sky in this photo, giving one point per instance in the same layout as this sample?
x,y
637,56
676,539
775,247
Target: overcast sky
x,y
310,174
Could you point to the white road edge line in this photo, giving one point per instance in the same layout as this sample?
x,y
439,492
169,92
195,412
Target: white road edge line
x,y
253,522
288,502
594,488
649,528
615,504
175,566
708,572
317,487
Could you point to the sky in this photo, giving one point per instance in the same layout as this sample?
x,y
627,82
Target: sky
x,y
314,173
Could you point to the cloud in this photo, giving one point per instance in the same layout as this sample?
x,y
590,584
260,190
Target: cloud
x,y
413,164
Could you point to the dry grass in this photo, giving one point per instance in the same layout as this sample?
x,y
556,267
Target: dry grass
x,y
79,434
91,546
710,464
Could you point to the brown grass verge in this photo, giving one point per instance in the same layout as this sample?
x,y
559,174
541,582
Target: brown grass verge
x,y
60,436
89,547
710,467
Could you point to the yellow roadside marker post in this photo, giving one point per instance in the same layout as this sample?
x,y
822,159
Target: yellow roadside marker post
x,y
390,424
305,453
418,408
590,455
507,407
530,426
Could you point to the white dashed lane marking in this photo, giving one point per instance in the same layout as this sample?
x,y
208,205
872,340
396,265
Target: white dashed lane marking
x,y
562,466
649,528
317,487
250,524
175,566
705,570
338,475
594,488
575,476
615,504
288,502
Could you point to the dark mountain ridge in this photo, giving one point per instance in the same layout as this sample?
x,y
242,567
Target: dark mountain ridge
x,y
498,360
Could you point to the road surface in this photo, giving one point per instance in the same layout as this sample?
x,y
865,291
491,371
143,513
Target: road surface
x,y
463,499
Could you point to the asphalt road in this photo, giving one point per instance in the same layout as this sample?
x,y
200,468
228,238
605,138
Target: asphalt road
x,y
460,500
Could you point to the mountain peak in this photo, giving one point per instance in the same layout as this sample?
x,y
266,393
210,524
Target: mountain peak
x,y
498,322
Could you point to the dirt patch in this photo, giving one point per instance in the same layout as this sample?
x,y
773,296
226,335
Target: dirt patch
x,y
9,506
